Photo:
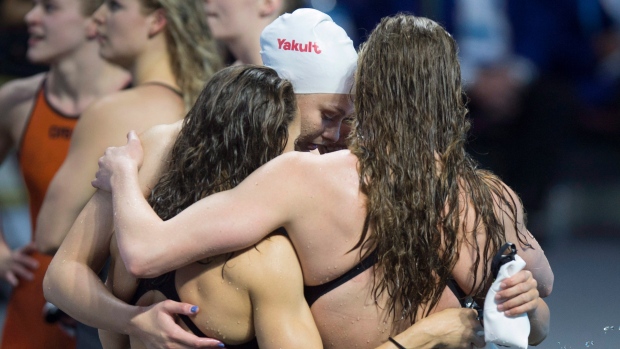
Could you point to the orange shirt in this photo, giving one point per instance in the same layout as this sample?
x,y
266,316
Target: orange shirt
x,y
44,146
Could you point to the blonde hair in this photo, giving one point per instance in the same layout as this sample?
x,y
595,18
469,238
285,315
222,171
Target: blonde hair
x,y
193,51
90,6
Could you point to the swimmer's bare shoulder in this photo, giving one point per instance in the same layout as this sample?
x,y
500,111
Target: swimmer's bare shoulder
x,y
271,273
157,144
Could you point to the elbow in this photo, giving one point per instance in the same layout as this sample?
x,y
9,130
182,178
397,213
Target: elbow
x,y
538,340
49,285
138,266
545,290
546,287
136,269
538,336
141,260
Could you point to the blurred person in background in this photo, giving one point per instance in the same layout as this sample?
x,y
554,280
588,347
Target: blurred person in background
x,y
237,24
167,48
37,115
542,83
13,41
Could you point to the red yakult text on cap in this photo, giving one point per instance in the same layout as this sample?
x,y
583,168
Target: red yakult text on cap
x,y
286,45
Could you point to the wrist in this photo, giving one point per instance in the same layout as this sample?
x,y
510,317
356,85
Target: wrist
x,y
132,327
419,336
122,174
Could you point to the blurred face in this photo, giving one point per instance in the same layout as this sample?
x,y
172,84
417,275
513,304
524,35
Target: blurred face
x,y
230,19
322,115
122,30
56,28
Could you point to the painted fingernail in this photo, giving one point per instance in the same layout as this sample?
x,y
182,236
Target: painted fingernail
x,y
221,345
194,309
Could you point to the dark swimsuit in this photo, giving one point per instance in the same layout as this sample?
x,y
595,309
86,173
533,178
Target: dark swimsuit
x,y
165,285
157,83
312,293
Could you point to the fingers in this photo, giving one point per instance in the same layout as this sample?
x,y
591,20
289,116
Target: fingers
x,y
519,304
11,279
172,307
27,249
518,294
184,338
523,276
190,340
514,291
19,271
26,261
476,336
132,136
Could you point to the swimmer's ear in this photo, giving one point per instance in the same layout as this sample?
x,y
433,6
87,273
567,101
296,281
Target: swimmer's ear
x,y
158,22
270,8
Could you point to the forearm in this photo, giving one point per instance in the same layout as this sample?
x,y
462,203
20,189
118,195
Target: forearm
x,y
140,252
76,289
65,198
411,338
113,340
53,224
539,323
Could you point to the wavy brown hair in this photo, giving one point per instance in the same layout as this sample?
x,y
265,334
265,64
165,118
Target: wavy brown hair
x,y
409,136
193,52
239,122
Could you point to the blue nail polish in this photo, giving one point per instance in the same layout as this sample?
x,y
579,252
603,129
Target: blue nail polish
x,y
194,309
221,345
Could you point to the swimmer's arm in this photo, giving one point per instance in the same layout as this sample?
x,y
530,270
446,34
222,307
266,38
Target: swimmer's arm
x,y
536,261
539,323
69,190
71,281
534,256
122,286
449,328
282,317
113,340
105,123
224,222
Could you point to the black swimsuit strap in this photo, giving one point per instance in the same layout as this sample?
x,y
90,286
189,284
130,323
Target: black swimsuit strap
x,y
312,293
157,83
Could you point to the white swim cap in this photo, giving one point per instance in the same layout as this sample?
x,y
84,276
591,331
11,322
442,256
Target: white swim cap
x,y
309,49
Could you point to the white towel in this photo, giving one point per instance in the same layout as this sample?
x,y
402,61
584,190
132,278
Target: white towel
x,y
505,331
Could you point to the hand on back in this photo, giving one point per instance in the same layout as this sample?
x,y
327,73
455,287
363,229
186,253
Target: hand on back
x,y
118,159
156,327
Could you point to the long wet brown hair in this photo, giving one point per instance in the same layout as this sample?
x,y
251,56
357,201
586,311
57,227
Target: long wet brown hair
x,y
409,136
239,122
